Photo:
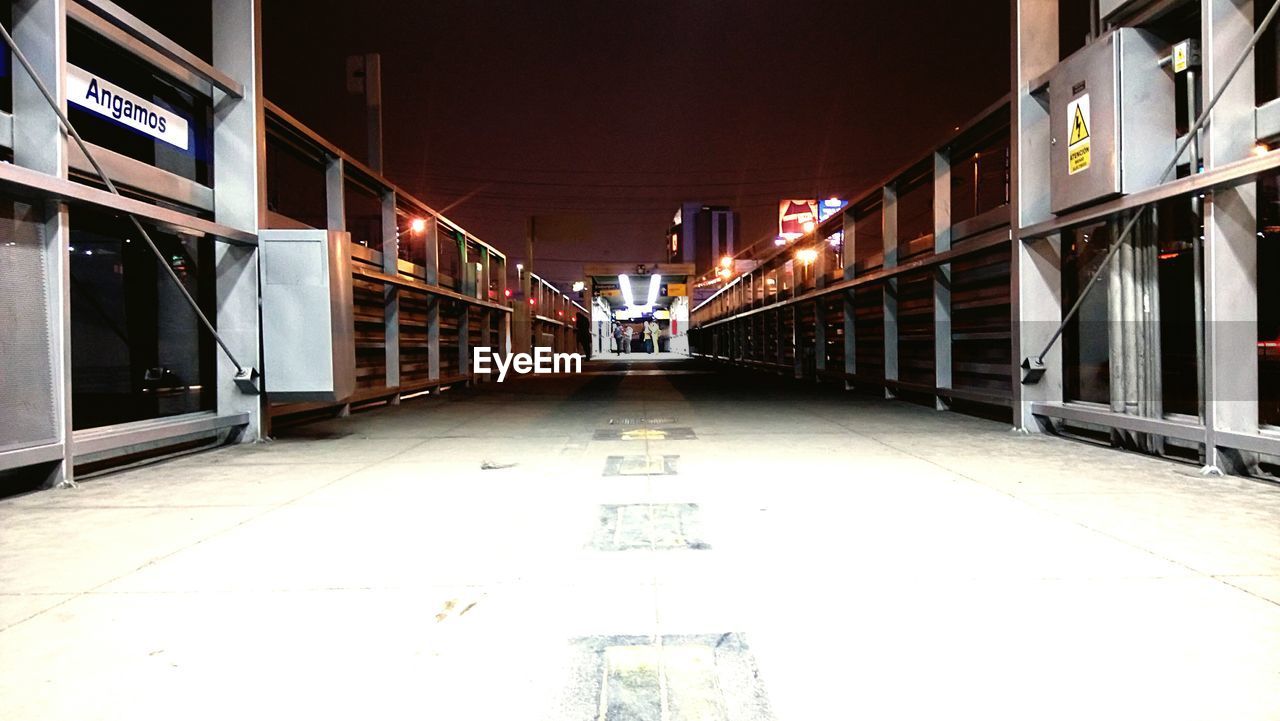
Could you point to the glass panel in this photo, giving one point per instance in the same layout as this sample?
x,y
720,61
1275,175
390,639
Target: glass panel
x,y
296,185
188,23
1269,301
915,217
980,177
91,53
868,238
137,349
364,215
411,236
1085,342
832,248
450,261
1178,228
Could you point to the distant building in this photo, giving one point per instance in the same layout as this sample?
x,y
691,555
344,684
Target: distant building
x,y
702,235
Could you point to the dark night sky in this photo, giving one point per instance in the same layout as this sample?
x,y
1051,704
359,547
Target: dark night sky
x,y
614,112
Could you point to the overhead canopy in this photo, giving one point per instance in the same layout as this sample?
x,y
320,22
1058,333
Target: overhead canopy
x,y
616,289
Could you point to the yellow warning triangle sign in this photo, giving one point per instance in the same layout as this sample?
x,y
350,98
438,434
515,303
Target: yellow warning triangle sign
x,y
1079,128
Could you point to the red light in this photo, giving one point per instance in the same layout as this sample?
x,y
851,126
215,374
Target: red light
x,y
561,313
532,301
507,292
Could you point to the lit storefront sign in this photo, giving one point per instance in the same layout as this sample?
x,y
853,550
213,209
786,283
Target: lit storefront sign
x,y
797,217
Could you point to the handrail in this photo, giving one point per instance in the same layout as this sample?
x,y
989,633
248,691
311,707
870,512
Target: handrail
x,y
308,135
822,230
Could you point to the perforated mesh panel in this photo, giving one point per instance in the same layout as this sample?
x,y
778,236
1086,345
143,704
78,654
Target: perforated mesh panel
x,y
27,415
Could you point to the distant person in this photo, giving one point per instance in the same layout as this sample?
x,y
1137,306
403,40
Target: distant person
x,y
617,338
627,333
653,332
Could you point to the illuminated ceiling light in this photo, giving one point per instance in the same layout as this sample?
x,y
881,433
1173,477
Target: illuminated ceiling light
x,y
624,282
806,255
418,225
579,286
654,281
726,262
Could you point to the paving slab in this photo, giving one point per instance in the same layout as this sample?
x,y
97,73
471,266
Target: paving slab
x,y
503,552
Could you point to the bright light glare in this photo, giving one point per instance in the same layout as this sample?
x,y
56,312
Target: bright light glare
x,y
808,226
579,286
726,262
624,282
1261,149
654,281
806,255
418,225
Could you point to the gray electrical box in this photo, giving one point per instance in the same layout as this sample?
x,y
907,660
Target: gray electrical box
x,y
1112,126
308,326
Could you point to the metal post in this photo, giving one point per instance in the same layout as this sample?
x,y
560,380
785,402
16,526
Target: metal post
x,y
942,331
239,168
464,317
1035,273
797,338
847,301
39,28
431,261
391,294
336,212
819,339
889,225
1231,244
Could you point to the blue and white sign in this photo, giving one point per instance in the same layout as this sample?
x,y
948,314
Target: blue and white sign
x,y
830,207
111,101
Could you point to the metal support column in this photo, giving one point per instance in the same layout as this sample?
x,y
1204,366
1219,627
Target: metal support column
x,y
431,262
779,356
1035,272
819,339
797,340
848,308
335,190
239,170
889,224
482,290
391,293
464,317
39,28
1231,243
942,343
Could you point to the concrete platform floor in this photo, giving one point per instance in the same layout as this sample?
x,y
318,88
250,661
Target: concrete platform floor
x,y
812,556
